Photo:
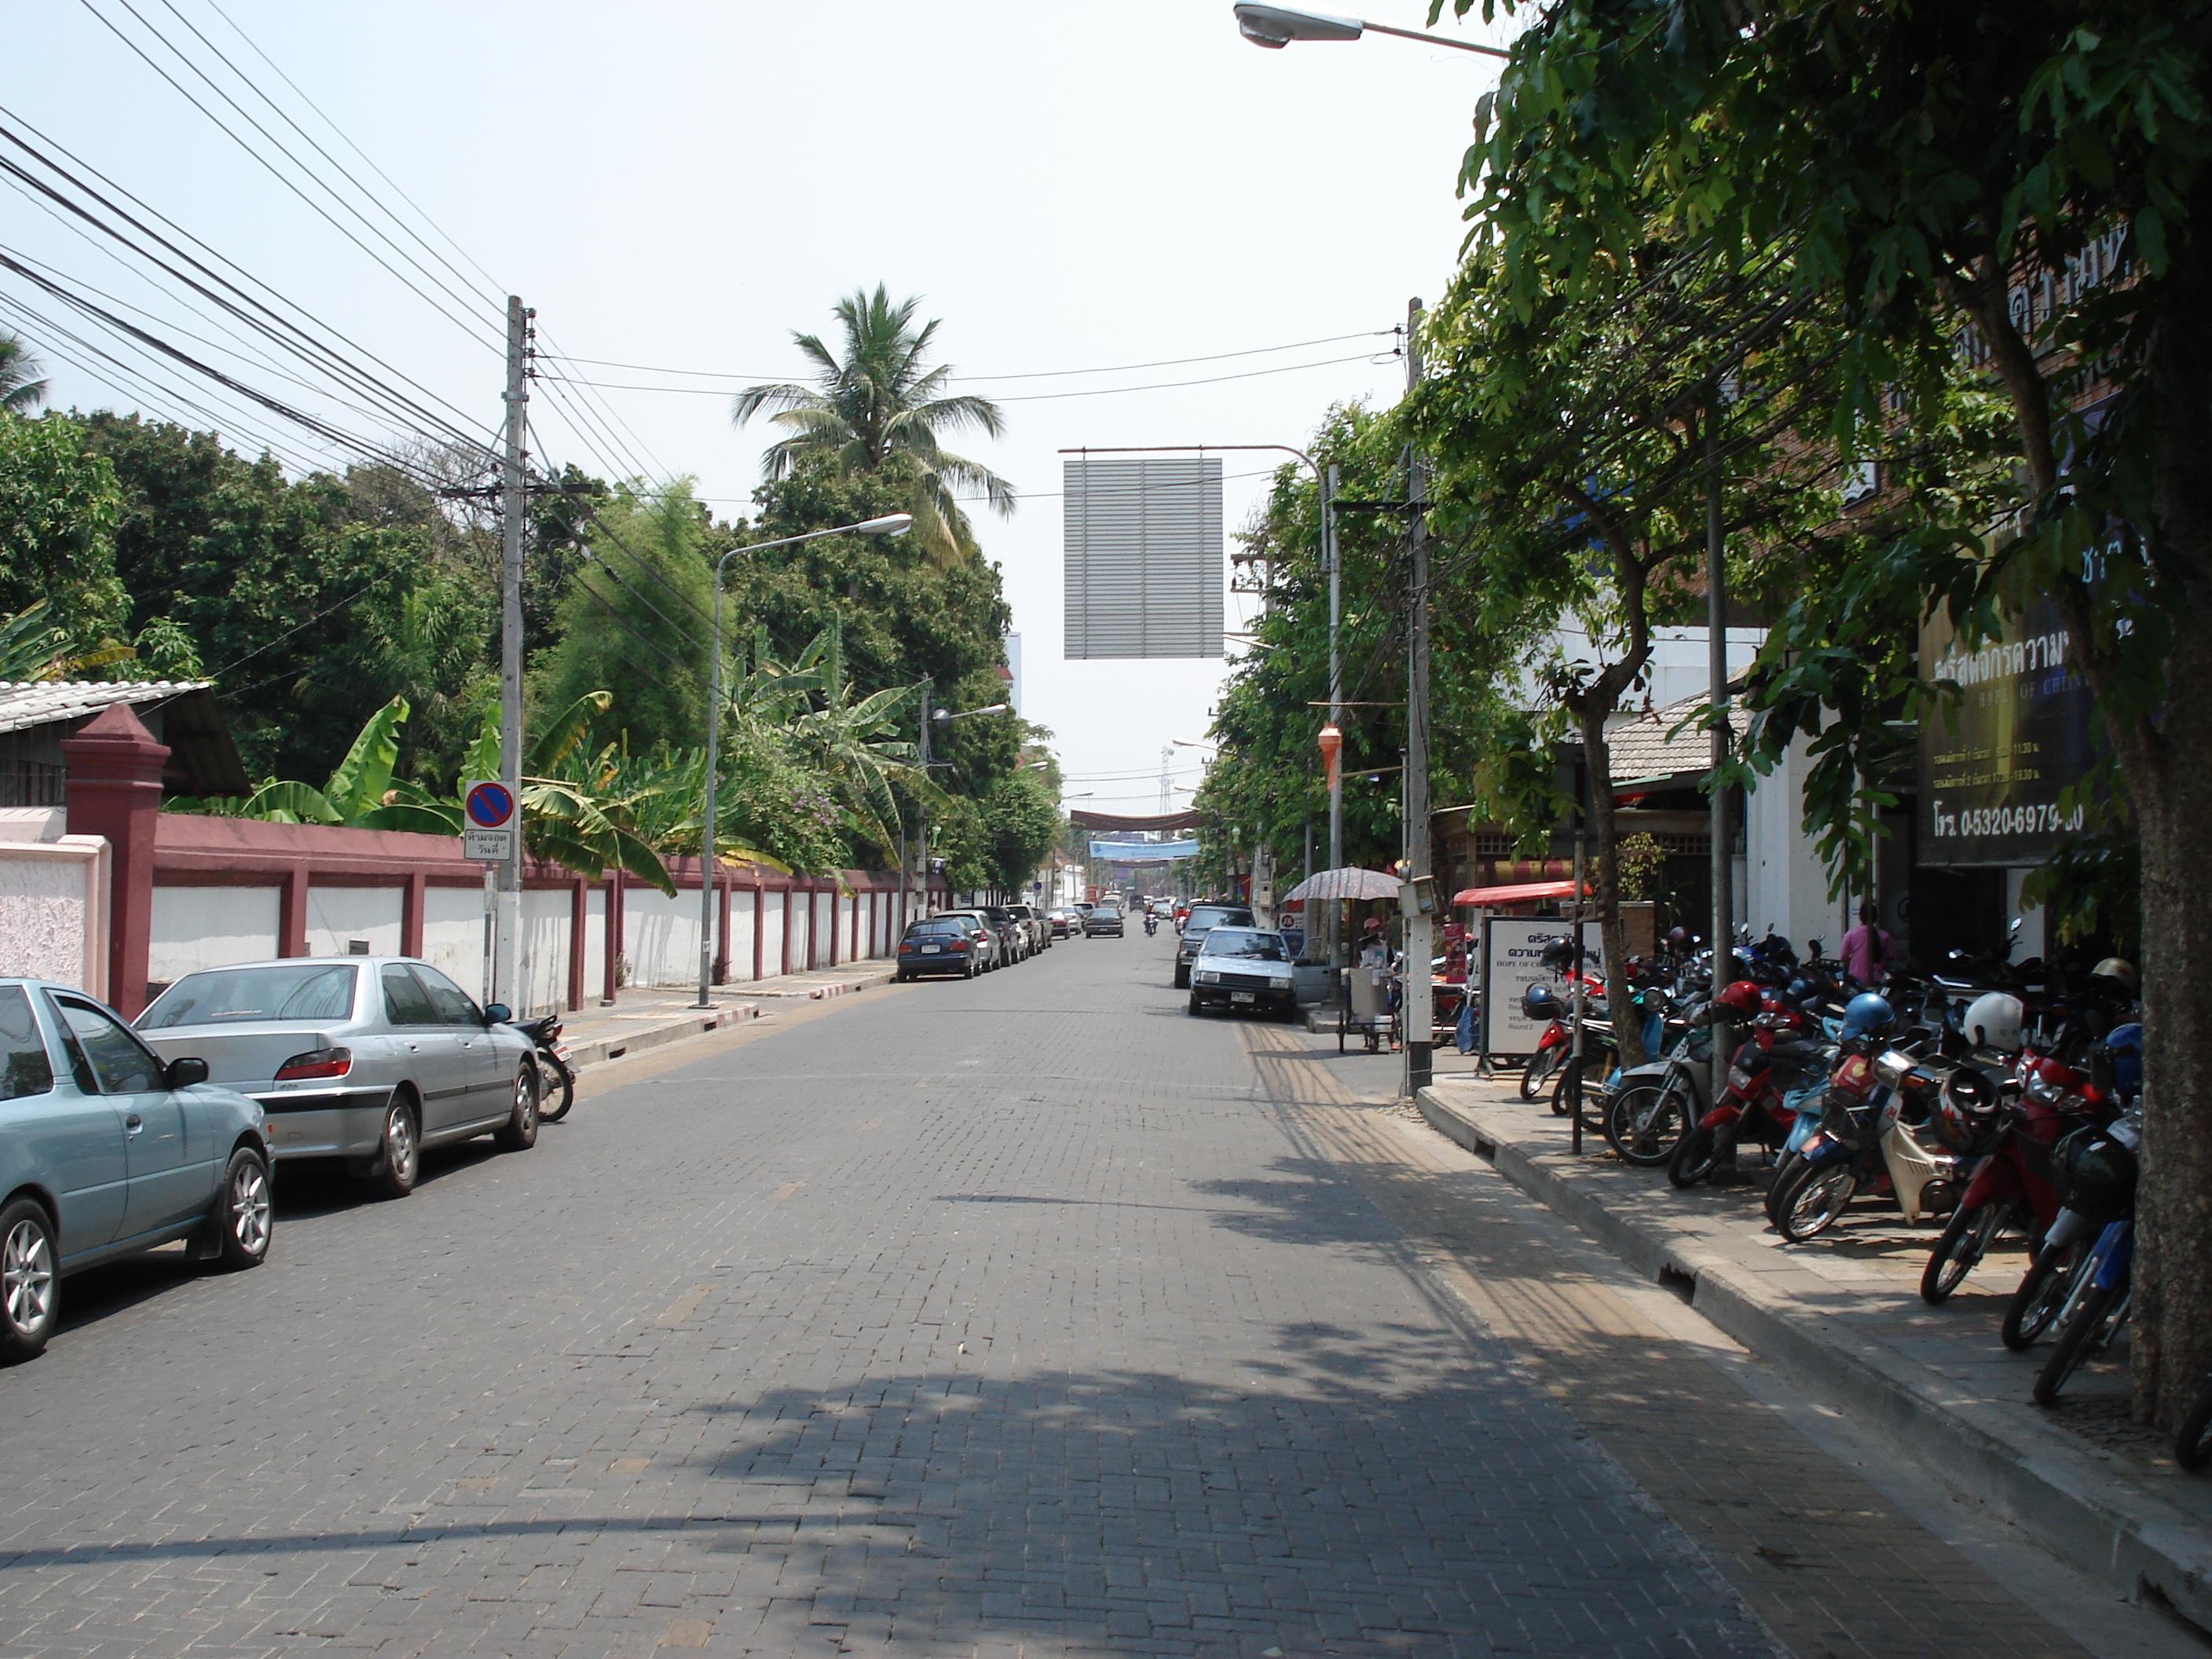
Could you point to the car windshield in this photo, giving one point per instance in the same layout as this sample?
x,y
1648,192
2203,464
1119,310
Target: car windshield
x,y
1215,915
302,993
943,929
1244,942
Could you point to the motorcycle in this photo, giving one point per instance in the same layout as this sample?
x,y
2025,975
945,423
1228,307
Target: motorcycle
x,y
552,1055
1871,1118
1650,1106
2097,1173
1770,1066
1151,923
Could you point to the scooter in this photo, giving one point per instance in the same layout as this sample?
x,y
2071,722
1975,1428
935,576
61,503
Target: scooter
x,y
552,1057
1650,1106
1864,1140
1770,1064
1151,923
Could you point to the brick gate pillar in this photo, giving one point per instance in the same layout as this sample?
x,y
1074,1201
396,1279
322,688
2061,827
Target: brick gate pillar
x,y
114,780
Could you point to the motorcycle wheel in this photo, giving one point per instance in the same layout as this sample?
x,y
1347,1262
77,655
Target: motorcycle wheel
x,y
2193,1445
1697,1155
1813,1200
2041,1294
1591,1066
1785,1167
1645,1124
1966,1239
560,1090
1538,1072
2095,1319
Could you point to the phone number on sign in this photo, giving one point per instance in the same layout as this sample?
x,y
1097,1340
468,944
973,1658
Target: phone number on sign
x,y
2030,818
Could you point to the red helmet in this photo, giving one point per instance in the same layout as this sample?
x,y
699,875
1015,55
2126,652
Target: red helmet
x,y
1741,999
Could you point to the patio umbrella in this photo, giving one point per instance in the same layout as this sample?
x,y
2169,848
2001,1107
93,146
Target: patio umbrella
x,y
1349,883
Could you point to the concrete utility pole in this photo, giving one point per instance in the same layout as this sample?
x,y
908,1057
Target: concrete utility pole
x,y
1420,1002
1718,695
507,964
1334,911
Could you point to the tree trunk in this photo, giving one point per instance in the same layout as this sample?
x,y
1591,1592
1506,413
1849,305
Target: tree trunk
x,y
1597,759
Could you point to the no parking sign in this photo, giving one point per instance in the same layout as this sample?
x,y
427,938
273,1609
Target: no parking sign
x,y
488,820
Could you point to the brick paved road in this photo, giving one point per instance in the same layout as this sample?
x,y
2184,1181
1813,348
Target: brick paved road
x,y
964,1318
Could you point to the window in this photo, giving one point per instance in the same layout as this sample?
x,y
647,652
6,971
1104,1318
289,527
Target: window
x,y
452,1003
121,1064
405,1001
317,992
25,1069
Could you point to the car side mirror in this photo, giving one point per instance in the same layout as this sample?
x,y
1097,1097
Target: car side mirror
x,y
497,1013
184,1073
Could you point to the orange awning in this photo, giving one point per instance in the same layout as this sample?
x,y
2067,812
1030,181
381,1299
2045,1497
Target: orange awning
x,y
1525,892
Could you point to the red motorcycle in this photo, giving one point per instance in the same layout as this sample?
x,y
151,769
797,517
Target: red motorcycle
x,y
1557,1008
2012,1124
1777,1060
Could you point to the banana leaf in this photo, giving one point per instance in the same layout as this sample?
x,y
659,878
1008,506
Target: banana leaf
x,y
362,777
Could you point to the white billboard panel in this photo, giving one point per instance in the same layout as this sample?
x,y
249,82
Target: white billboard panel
x,y
1144,573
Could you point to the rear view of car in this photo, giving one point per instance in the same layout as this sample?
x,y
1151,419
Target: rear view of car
x,y
941,945
1103,922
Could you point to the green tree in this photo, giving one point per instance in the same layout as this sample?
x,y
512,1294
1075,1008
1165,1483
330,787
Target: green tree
x,y
639,616
879,410
1022,825
59,507
2023,186
22,388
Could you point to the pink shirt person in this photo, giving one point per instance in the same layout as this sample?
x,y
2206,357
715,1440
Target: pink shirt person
x,y
1865,948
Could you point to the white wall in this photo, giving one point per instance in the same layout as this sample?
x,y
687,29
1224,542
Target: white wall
x,y
53,910
739,950
454,935
338,915
545,921
196,927
772,934
660,937
1782,883
595,944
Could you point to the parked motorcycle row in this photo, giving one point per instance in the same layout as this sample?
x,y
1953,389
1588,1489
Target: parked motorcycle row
x,y
1992,1096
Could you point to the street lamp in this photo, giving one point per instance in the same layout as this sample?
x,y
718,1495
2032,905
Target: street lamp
x,y
1276,26
891,523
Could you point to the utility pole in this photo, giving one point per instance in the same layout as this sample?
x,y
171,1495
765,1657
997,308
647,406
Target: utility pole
x,y
507,976
921,807
1334,912
1717,694
1420,884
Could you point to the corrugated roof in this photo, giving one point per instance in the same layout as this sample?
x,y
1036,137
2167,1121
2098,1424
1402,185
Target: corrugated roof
x,y
1641,746
24,704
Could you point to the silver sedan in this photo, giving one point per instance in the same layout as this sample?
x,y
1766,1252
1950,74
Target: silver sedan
x,y
366,1058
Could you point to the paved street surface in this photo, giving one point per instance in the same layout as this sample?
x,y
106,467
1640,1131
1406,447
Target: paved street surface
x,y
1023,1315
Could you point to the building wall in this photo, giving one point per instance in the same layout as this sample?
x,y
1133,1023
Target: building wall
x,y
338,916
196,927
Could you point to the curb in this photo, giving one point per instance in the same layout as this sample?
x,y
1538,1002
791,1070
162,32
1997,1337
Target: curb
x,y
2141,1544
838,987
653,1036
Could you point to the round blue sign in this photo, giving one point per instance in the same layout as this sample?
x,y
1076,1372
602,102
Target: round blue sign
x,y
490,805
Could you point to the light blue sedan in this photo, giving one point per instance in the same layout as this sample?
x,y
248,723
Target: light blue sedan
x,y
105,1149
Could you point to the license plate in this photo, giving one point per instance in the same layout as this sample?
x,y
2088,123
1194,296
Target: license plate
x,y
560,1051
931,950
1241,996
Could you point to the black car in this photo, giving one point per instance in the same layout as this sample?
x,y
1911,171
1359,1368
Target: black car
x,y
1201,920
939,945
1102,919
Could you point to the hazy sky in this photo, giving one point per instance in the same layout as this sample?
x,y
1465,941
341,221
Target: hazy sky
x,y
1068,186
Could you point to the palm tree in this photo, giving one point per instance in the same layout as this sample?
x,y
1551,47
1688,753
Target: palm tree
x,y
878,411
19,392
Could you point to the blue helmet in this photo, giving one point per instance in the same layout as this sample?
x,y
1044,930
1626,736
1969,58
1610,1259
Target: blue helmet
x,y
1866,1015
1800,991
2125,1042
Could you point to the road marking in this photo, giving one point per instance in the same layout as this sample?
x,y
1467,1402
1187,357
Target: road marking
x,y
785,1191
872,1123
684,1305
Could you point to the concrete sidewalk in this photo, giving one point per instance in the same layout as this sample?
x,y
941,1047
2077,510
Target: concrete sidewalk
x,y
643,1019
1844,1313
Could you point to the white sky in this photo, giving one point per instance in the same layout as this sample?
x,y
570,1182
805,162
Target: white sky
x,y
1066,185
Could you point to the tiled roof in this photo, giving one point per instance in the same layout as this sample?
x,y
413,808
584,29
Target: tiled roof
x,y
1642,746
24,704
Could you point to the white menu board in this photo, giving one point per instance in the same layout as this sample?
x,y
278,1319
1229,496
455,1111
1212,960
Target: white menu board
x,y
1512,948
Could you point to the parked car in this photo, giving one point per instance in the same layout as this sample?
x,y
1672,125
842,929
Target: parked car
x,y
941,945
107,1149
1032,920
1019,945
1201,920
368,1059
1104,919
1065,923
1241,970
988,940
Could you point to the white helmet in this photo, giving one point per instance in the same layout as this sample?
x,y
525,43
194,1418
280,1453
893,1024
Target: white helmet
x,y
1994,1020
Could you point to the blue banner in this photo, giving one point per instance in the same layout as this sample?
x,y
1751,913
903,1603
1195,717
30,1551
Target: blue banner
x,y
1141,852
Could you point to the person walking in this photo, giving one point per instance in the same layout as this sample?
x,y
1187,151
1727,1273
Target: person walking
x,y
1866,949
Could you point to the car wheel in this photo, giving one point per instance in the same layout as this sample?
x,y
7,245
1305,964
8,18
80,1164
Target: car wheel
x,y
1182,979
519,1133
30,1291
400,1155
243,1213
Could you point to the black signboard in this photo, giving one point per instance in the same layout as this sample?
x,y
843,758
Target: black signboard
x,y
1993,764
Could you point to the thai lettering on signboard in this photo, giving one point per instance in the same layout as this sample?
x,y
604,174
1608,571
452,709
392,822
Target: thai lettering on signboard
x,y
1994,763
